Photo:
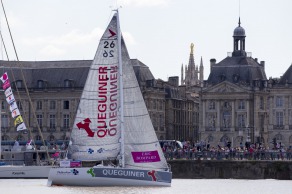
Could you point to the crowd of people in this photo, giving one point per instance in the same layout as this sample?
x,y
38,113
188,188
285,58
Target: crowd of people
x,y
247,151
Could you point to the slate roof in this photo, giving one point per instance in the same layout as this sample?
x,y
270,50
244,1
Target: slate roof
x,y
287,77
236,69
54,73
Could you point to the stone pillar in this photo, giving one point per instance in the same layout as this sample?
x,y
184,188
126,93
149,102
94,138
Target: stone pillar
x,y
218,116
204,116
233,116
286,113
247,113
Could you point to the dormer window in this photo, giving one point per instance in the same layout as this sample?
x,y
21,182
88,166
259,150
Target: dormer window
x,y
67,83
40,84
18,83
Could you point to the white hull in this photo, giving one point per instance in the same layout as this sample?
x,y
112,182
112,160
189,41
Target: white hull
x,y
14,172
107,176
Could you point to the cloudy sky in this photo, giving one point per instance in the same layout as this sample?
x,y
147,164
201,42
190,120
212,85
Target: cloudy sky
x,y
157,32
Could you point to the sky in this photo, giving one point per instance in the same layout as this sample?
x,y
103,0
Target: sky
x,y
157,32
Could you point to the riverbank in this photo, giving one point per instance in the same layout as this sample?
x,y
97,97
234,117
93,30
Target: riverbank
x,y
227,169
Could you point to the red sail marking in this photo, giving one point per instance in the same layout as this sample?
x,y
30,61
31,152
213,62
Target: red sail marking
x,y
86,127
112,33
152,174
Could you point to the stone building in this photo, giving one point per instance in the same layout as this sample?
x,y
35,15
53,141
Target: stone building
x,y
239,104
54,89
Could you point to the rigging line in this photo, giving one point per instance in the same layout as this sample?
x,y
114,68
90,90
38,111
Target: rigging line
x,y
26,89
2,40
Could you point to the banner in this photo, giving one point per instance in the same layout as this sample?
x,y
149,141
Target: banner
x,y
15,113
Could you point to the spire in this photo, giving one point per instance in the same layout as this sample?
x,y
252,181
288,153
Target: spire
x,y
239,22
192,49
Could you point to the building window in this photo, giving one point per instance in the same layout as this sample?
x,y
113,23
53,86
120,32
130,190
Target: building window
x,y
19,105
66,120
241,105
40,120
226,119
19,84
241,121
38,138
40,84
279,101
261,103
51,138
66,105
52,121
4,121
52,105
279,119
67,83
211,105
3,105
39,105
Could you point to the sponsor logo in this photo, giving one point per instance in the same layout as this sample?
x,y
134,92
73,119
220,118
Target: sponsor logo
x,y
152,174
146,157
122,173
73,171
90,171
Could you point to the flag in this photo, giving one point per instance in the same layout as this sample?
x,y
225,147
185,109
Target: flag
x,y
15,113
4,77
21,127
6,85
8,92
18,121
10,99
13,106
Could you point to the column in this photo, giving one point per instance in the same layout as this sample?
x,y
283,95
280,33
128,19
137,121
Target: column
x,y
218,116
233,116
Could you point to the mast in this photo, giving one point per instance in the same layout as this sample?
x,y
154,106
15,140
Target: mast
x,y
121,89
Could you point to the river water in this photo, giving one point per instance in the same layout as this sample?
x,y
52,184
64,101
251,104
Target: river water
x,y
179,186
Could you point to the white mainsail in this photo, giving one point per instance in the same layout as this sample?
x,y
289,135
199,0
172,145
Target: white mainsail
x,y
98,136
96,130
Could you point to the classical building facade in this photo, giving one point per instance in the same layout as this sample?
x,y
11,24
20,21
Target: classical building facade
x,y
54,90
239,104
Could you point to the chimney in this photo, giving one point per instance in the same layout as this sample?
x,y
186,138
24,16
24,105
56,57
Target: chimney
x,y
263,64
212,62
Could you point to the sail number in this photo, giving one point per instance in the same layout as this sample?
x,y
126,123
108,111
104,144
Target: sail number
x,y
104,132
108,45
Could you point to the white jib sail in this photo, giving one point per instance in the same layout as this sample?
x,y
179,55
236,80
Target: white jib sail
x,y
96,130
142,149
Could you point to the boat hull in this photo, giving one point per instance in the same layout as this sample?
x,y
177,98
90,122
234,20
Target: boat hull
x,y
23,172
104,176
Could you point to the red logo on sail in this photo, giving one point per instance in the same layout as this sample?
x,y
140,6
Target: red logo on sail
x,y
86,127
112,33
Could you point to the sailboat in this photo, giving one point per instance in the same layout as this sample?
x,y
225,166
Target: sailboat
x,y
20,160
112,126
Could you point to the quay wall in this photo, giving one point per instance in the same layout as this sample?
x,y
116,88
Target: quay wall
x,y
228,169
